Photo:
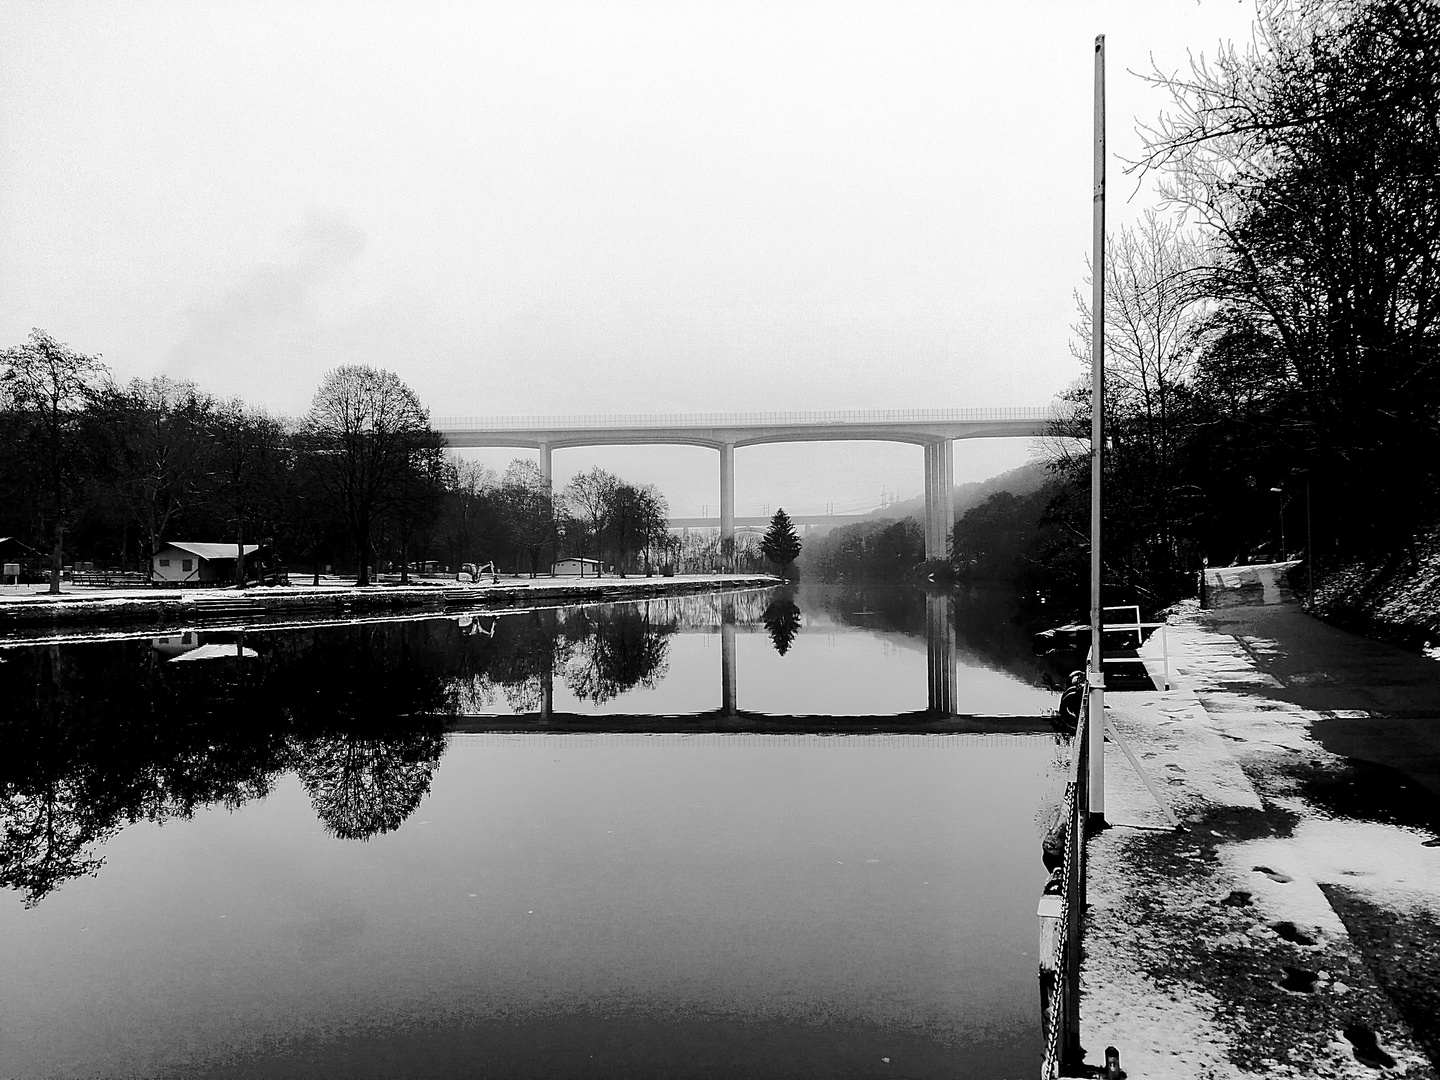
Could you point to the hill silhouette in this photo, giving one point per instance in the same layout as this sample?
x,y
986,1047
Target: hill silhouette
x,y
1022,481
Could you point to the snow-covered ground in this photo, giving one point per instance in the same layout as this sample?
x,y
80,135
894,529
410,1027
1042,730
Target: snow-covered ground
x,y
1216,951
99,611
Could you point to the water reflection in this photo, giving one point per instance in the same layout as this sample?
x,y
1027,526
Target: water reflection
x,y
110,734
102,734
606,656
782,620
940,652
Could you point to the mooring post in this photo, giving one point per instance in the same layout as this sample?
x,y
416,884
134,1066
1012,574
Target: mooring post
x,y
1165,652
1051,931
1096,766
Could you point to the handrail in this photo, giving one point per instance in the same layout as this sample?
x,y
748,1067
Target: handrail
x,y
757,419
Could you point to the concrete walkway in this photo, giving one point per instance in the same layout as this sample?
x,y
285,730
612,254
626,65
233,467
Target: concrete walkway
x,y
1290,929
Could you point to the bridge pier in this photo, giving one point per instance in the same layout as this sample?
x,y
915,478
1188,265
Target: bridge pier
x,y
939,498
727,656
727,506
940,653
546,467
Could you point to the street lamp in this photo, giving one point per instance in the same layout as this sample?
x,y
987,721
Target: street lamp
x,y
1309,544
1284,502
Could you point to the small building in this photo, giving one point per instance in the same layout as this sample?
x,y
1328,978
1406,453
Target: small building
x,y
186,563
577,568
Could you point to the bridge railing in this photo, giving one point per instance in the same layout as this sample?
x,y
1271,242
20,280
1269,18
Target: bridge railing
x,y
756,419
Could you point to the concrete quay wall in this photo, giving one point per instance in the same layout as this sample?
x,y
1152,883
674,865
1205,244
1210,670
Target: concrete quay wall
x,y
33,612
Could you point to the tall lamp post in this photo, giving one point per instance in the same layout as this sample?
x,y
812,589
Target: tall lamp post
x,y
1095,674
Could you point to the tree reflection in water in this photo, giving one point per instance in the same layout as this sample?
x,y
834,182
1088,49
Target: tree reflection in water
x,y
362,786
614,651
782,620
520,659
598,652
367,749
104,735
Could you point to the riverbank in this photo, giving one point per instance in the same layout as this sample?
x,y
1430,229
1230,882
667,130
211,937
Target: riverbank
x,y
1290,929
1395,600
29,609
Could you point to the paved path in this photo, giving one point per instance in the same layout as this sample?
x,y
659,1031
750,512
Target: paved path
x,y
1290,929
1379,703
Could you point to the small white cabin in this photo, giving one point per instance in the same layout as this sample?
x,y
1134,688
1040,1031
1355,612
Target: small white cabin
x,y
185,563
577,568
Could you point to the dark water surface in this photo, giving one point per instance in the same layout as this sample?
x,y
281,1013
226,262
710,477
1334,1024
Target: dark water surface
x,y
309,852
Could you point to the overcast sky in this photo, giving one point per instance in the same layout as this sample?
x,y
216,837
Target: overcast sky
x,y
590,207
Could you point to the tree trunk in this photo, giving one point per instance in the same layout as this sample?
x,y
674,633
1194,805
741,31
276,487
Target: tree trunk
x,y
57,557
362,553
239,555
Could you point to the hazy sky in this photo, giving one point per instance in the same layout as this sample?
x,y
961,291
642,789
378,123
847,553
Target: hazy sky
x,y
590,207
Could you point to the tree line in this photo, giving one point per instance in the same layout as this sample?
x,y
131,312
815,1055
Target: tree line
x,y
1272,367
92,471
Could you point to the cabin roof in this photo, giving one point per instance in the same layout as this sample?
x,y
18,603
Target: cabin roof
x,y
211,551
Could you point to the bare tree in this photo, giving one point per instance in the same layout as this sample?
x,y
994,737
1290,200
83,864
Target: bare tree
x,y
1309,158
529,509
364,432
471,507
247,459
155,436
48,386
588,500
637,517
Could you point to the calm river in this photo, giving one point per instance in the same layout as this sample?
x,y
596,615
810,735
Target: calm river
x,y
737,835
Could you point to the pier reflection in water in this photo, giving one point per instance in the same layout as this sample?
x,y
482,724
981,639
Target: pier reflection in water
x,y
770,899
651,658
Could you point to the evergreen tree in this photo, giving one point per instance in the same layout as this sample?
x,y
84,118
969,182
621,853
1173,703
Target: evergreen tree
x,y
780,545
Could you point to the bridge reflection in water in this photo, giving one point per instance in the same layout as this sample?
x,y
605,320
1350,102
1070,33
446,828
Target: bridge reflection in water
x,y
728,617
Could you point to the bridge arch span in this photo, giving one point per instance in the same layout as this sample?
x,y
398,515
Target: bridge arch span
x,y
933,429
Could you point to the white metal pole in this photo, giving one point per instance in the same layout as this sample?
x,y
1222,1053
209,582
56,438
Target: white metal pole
x,y
1096,672
1165,651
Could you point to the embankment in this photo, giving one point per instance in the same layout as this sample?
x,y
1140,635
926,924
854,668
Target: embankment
x,y
1396,599
35,613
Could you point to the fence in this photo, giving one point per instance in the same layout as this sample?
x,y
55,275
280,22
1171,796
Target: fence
x,y
1061,915
756,419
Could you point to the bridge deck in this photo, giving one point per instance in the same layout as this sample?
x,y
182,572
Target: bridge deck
x,y
716,430
934,429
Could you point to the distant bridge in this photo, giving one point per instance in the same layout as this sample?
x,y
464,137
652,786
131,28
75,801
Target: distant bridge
x,y
762,522
934,429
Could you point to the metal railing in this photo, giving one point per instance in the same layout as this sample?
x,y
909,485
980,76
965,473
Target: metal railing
x,y
757,419
1062,921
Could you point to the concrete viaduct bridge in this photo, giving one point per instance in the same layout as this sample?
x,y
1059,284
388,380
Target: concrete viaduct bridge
x,y
934,429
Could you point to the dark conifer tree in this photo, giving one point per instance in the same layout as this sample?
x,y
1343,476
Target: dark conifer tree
x,y
780,545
